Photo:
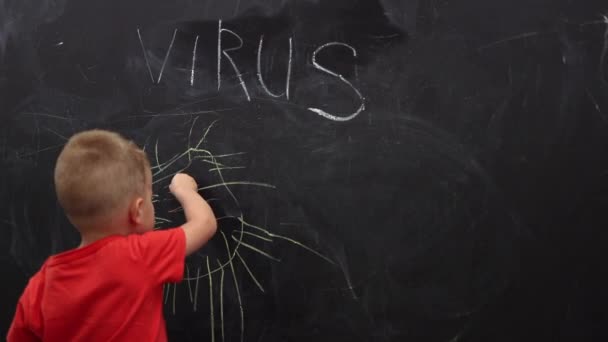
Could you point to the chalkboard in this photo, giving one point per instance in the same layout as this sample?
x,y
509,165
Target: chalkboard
x,y
382,170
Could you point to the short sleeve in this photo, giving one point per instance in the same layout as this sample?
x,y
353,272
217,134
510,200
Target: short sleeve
x,y
163,253
19,330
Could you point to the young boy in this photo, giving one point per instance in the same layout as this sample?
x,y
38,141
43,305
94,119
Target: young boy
x,y
110,287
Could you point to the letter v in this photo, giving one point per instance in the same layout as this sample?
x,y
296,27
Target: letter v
x,y
162,69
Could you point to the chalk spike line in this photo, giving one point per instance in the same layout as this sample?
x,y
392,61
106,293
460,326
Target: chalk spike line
x,y
195,153
236,288
211,318
221,300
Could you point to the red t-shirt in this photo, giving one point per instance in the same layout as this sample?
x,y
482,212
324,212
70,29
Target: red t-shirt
x,y
110,290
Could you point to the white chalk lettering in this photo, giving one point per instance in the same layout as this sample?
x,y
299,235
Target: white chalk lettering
x,y
193,61
224,52
320,67
259,70
162,69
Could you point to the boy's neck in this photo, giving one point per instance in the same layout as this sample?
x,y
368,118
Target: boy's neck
x,y
91,237
96,231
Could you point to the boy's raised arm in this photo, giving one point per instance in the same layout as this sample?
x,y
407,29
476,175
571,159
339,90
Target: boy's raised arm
x,y
201,223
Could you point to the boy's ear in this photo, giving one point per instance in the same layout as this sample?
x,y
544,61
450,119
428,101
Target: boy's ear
x,y
136,211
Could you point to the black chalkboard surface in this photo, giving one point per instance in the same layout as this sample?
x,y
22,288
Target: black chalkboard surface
x,y
382,170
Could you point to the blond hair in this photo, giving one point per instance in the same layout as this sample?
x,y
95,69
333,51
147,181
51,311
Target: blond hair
x,y
97,172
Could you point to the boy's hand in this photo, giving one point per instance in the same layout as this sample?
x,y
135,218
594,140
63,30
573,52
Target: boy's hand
x,y
181,182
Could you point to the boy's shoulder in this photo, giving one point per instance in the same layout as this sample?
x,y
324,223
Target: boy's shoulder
x,y
33,292
28,315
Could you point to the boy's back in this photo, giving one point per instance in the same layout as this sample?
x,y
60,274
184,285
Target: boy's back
x,y
110,287
110,290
